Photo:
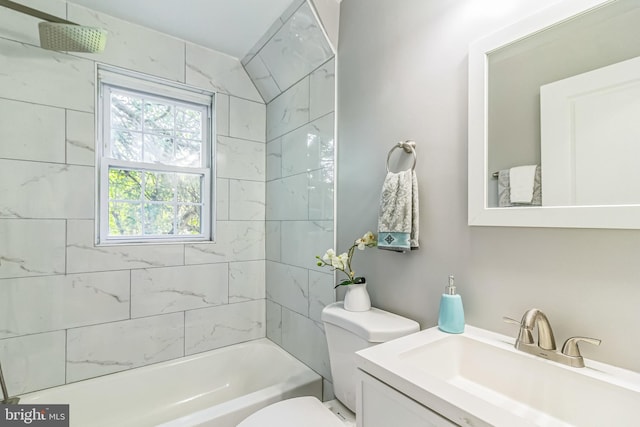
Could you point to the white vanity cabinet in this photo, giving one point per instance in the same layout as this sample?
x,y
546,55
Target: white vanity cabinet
x,y
379,405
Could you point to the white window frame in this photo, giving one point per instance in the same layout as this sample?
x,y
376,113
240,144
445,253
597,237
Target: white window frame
x,y
112,78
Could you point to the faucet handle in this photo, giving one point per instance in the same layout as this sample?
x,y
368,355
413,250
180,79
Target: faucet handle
x,y
525,334
570,347
510,320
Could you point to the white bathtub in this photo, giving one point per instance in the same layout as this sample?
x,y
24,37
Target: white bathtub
x,y
218,388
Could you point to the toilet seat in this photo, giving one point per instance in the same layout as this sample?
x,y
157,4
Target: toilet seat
x,y
300,411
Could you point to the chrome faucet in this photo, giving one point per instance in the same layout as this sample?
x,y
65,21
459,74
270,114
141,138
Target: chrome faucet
x,y
546,345
6,400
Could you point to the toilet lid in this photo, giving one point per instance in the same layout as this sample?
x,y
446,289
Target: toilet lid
x,y
301,411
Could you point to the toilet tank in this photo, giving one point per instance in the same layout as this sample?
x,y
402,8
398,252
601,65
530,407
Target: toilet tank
x,y
351,331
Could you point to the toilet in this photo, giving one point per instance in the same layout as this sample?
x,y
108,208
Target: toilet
x,y
347,332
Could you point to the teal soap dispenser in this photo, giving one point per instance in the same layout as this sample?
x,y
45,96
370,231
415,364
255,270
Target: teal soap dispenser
x,y
451,317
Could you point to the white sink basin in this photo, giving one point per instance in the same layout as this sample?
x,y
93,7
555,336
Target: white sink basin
x,y
479,379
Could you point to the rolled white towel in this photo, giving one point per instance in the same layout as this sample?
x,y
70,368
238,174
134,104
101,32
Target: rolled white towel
x,y
521,181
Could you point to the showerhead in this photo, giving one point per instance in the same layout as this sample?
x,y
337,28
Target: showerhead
x,y
71,37
63,35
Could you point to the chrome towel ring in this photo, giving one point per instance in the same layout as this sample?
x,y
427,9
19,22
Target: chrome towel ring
x,y
409,147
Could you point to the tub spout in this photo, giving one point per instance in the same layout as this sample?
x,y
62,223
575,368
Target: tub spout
x,y
6,400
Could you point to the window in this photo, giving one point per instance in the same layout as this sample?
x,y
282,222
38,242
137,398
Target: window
x,y
155,160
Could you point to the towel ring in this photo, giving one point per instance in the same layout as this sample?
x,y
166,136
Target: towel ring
x,y
409,147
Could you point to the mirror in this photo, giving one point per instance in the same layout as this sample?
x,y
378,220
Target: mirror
x,y
560,89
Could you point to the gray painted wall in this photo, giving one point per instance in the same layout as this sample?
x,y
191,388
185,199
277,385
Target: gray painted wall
x,y
402,73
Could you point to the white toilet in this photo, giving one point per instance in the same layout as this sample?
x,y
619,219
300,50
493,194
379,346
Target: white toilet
x,y
347,332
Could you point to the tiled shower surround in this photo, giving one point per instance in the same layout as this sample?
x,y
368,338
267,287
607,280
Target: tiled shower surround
x,y
294,70
70,310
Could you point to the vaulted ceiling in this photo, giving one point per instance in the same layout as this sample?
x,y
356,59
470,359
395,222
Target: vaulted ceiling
x,y
229,26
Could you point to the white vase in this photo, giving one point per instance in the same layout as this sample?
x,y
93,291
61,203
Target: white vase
x,y
357,297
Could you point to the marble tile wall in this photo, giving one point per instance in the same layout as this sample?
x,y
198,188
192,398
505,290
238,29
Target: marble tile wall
x,y
70,310
294,70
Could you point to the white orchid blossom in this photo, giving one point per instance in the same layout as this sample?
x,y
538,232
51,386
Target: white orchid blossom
x,y
342,262
366,240
328,256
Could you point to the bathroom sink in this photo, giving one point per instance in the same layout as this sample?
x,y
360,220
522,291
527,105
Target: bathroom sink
x,y
479,379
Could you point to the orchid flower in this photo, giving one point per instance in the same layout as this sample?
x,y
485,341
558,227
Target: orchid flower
x,y
342,262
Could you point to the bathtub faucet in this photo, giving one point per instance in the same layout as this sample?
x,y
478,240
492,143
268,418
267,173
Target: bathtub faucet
x,y
6,400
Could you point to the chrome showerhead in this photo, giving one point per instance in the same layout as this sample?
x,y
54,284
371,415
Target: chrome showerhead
x,y
63,35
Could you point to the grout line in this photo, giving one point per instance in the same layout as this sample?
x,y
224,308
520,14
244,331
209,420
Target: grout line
x,y
66,136
130,292
45,162
66,247
301,126
66,355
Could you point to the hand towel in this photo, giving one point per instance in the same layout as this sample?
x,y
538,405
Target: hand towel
x,y
398,217
521,182
504,189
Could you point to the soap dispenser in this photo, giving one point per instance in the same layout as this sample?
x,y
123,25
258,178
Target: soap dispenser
x,y
451,317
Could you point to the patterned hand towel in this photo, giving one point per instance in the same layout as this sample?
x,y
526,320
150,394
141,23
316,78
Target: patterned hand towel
x,y
398,218
504,189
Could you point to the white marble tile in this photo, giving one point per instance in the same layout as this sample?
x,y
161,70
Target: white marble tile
x,y
210,328
31,132
293,7
322,96
84,256
309,147
216,71
46,77
40,304
112,347
81,138
134,47
298,48
273,29
247,281
274,159
222,114
289,110
171,289
222,199
247,119
305,339
273,240
288,286
247,200
262,78
31,247
321,194
24,28
287,198
274,322
240,159
304,240
235,241
33,362
45,190
321,293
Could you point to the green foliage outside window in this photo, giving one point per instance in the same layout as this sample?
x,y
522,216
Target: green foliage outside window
x,y
143,201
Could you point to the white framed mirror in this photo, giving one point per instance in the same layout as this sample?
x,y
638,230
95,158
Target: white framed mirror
x,y
559,93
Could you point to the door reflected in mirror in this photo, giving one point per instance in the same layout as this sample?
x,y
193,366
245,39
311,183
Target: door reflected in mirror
x,y
584,131
572,162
